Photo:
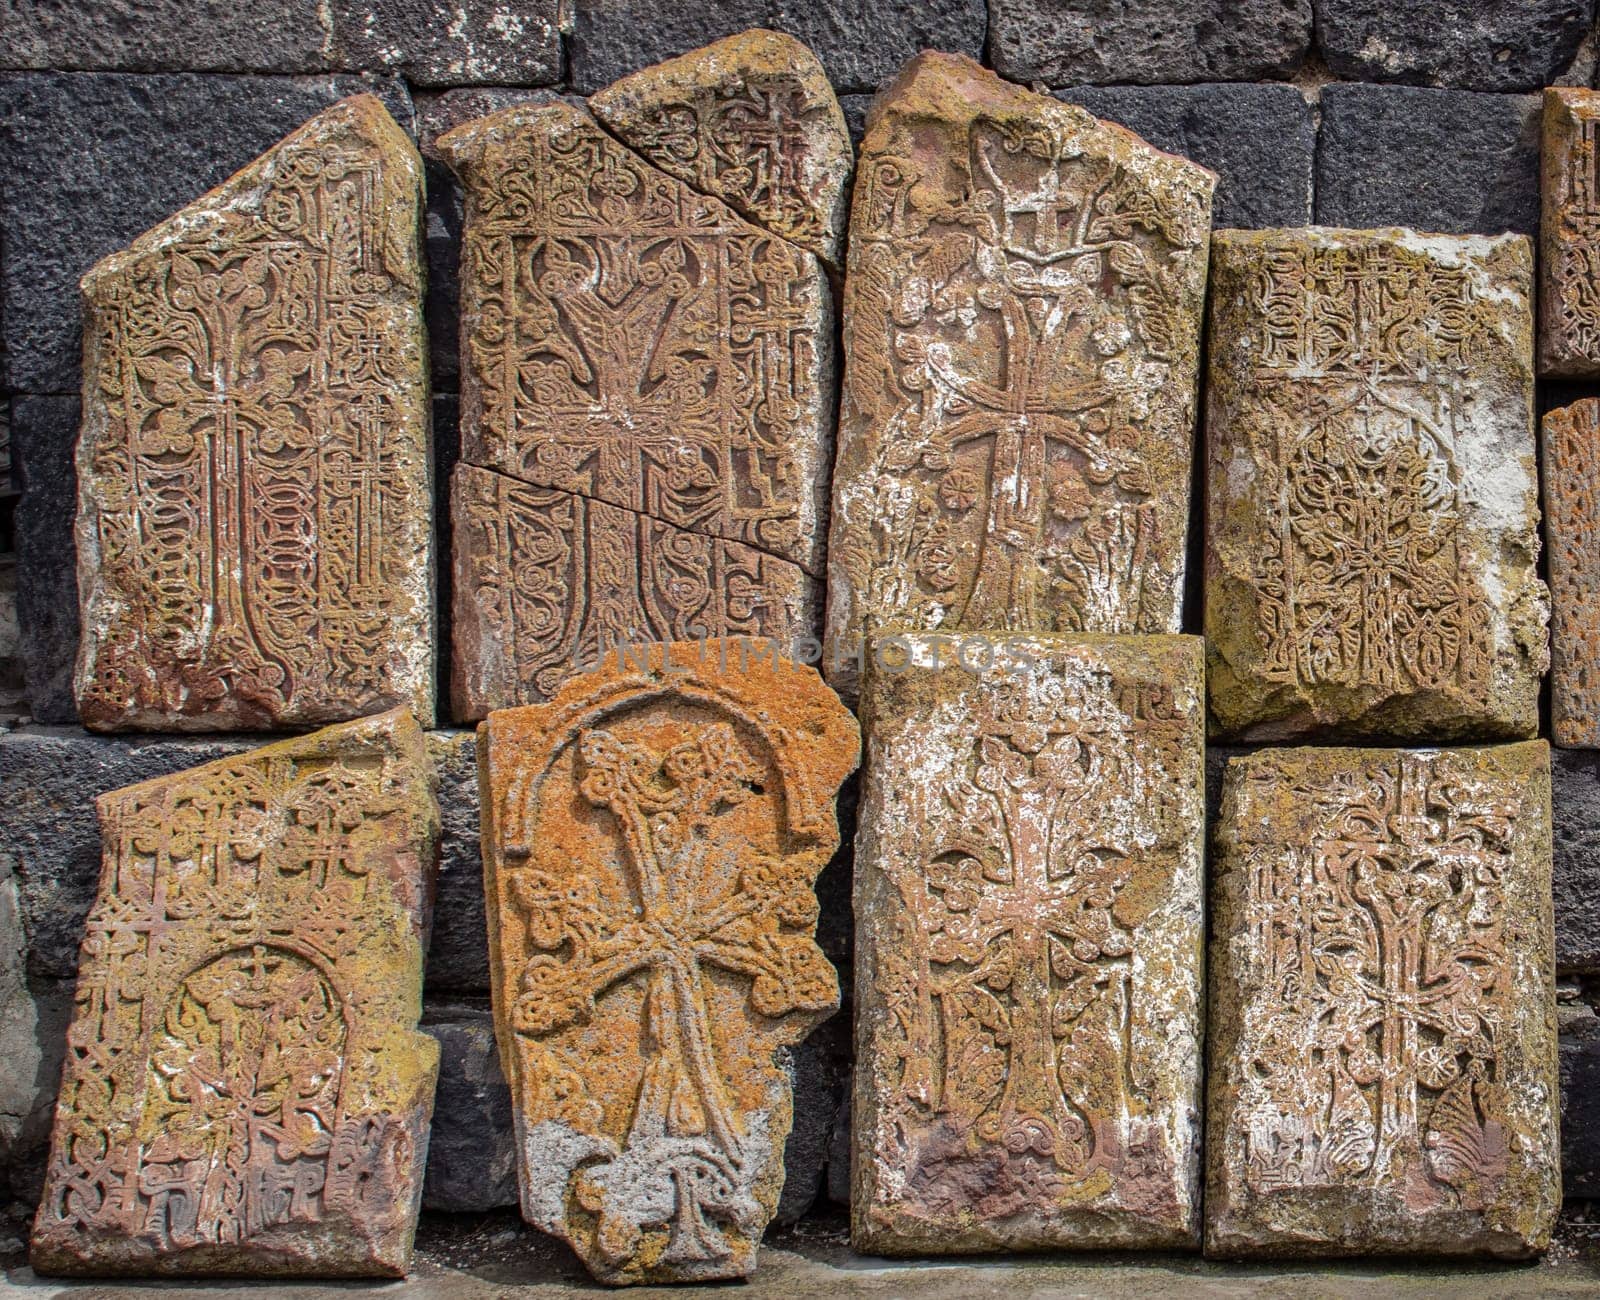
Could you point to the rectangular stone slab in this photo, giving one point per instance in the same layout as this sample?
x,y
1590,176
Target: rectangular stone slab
x,y
1571,444
1383,1019
1029,935
246,1090
254,470
1022,327
1569,235
651,837
1372,500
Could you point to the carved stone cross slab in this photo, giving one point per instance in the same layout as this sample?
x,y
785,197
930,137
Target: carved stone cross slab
x,y
650,841
246,1090
255,485
1022,323
1029,935
1569,298
1571,445
1373,504
1383,1020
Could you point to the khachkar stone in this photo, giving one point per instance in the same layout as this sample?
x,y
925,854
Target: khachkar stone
x,y
650,841
1383,1016
254,469
1022,324
1029,938
1569,299
658,370
1571,438
1372,522
752,120
246,1090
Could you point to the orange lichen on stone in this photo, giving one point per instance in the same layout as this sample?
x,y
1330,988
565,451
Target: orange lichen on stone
x,y
255,509
1029,940
650,841
1569,298
1383,1016
246,1090
1571,438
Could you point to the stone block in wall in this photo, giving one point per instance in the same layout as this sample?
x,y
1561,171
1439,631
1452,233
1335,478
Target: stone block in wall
x,y
1575,778
1452,161
1580,1101
1061,41
1259,139
1569,235
472,1148
458,957
282,36
44,435
1467,44
91,160
451,42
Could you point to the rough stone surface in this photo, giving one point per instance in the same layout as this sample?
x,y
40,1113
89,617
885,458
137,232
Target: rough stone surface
x,y
1058,41
33,1036
472,1150
660,458
751,120
1569,236
651,838
1575,775
452,42
820,1068
1260,140
1580,1102
1030,908
1383,1020
1570,443
458,957
44,431
1441,160
1463,43
1022,323
1372,521
91,160
165,35
254,472
245,1088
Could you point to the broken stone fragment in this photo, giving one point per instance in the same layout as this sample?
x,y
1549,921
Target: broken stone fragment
x,y
1571,445
1383,1019
1022,314
752,120
1029,939
1372,523
246,1090
255,501
1569,232
650,840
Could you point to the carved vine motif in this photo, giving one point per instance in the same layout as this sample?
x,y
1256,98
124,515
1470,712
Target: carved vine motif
x,y
1574,313
1014,347
1377,1022
689,1159
256,470
1572,471
1366,583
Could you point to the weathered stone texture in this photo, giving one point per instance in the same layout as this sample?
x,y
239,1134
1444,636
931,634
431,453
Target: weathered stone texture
x,y
451,42
1571,449
651,837
1383,1023
472,1150
1580,1101
1569,236
43,432
1022,321
1372,521
750,120
254,493
649,378
458,956
245,1088
1260,140
1030,926
90,160
1441,160
1059,41
1575,776
1463,43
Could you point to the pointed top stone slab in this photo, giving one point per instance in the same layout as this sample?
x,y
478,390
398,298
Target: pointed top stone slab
x,y
1022,324
255,501
752,120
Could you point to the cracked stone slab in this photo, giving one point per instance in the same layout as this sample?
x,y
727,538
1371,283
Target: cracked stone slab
x,y
254,467
1383,1014
246,1089
1023,303
546,581
752,120
1569,235
1030,930
1372,512
651,839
